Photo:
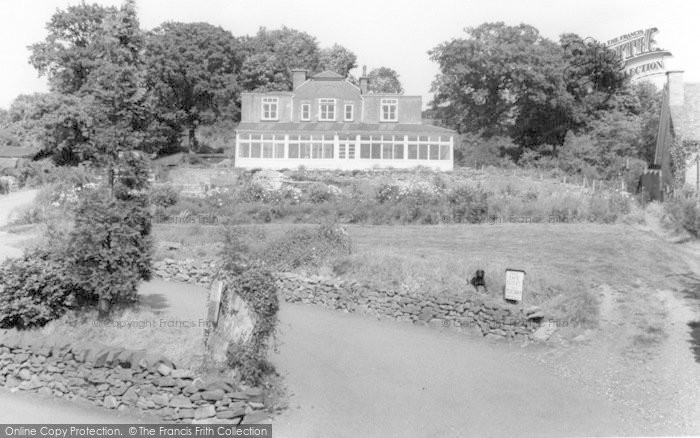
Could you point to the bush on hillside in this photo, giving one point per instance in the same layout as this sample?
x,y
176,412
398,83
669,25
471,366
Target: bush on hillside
x,y
306,248
467,204
164,196
684,213
35,289
110,247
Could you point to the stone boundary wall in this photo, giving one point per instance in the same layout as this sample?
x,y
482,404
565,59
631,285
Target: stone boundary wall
x,y
186,271
460,312
457,311
117,378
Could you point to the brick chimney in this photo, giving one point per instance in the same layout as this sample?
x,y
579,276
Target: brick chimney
x,y
298,78
674,80
364,80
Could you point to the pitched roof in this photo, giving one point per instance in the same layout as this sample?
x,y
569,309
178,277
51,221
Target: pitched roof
x,y
327,75
396,128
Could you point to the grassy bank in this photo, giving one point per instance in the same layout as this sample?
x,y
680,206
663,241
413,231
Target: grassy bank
x,y
564,262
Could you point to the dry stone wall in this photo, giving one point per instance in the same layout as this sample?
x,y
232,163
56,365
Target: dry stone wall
x,y
458,311
118,378
464,311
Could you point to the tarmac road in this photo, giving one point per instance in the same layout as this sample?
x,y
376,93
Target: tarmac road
x,y
350,375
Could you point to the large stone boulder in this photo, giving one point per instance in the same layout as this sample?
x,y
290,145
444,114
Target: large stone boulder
x,y
268,179
236,321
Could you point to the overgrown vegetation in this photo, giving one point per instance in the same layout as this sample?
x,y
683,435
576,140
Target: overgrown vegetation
x,y
684,212
36,289
394,197
99,259
246,276
256,286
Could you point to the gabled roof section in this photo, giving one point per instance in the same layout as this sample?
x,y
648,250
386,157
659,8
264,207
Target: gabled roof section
x,y
327,75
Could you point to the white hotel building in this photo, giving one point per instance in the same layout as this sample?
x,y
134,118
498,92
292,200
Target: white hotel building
x,y
327,122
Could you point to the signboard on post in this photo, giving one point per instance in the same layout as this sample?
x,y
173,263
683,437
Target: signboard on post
x,y
514,285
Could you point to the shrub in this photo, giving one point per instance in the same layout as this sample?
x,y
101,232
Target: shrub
x,y
35,289
110,247
685,214
164,196
320,192
608,207
306,248
467,204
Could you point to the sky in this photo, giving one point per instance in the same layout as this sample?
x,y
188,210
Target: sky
x,y
395,34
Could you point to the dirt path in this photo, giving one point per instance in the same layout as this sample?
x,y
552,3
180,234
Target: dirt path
x,y
639,357
353,376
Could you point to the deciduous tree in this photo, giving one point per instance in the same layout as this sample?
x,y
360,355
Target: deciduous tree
x,y
92,57
271,55
384,80
193,70
338,59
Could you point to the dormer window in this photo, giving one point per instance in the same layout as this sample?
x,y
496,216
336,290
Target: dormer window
x,y
389,110
326,110
349,112
269,108
305,112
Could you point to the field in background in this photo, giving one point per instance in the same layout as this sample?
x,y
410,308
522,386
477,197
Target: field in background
x,y
564,262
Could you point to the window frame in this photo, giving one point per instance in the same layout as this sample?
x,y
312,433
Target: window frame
x,y
326,101
351,106
388,103
307,106
270,101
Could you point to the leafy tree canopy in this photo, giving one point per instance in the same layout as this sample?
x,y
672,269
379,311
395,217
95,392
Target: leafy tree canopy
x,y
93,59
511,81
384,80
193,71
337,59
271,55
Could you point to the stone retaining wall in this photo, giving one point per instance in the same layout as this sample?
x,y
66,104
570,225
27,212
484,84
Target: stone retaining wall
x,y
459,311
118,378
464,312
186,271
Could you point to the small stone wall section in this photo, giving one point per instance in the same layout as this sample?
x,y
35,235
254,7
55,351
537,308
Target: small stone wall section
x,y
117,378
465,311
460,312
186,271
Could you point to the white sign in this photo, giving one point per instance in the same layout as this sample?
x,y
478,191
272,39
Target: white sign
x,y
514,284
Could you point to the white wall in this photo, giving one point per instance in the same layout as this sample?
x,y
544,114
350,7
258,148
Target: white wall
x,y
339,164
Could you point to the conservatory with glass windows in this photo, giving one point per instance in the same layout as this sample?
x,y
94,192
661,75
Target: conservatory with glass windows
x,y
327,122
